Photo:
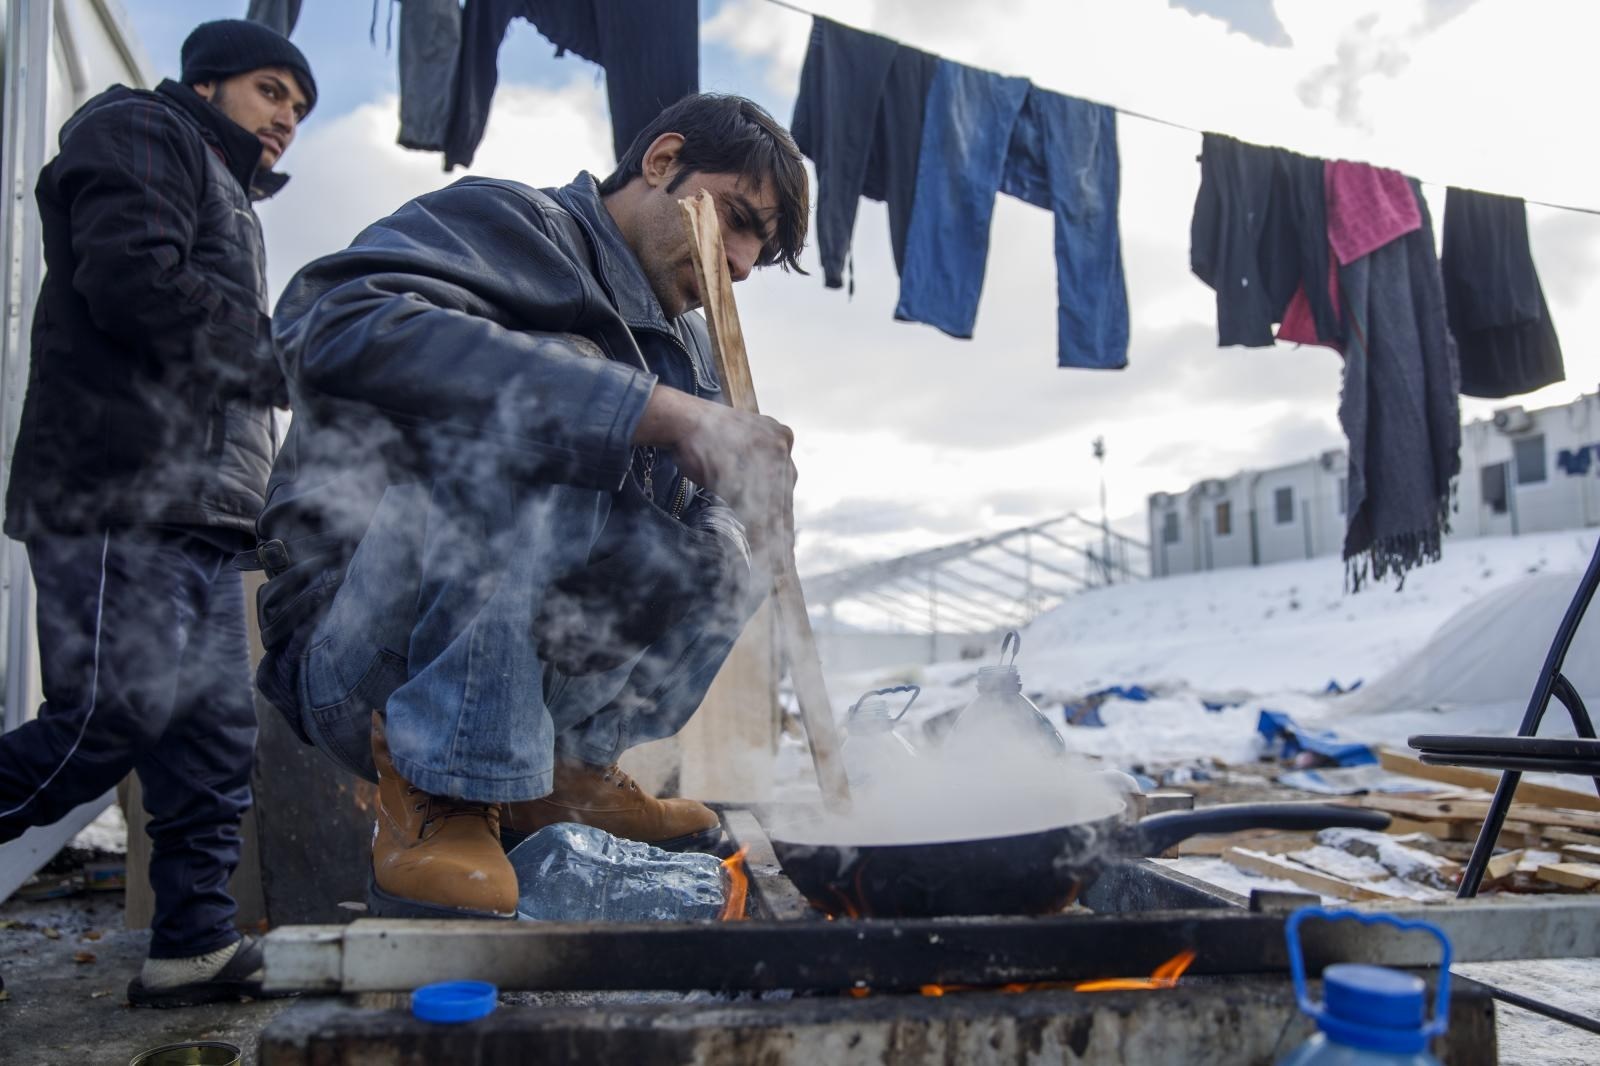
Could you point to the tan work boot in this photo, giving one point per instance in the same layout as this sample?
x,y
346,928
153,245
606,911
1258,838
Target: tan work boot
x,y
607,798
435,856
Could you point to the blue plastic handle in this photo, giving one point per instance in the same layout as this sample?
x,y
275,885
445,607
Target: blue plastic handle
x,y
1297,962
915,690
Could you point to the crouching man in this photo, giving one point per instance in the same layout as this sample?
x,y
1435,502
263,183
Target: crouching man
x,y
507,533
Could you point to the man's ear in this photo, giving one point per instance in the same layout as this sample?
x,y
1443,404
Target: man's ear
x,y
204,89
660,161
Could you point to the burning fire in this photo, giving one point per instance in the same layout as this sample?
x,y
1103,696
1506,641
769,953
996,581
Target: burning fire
x,y
738,887
1165,976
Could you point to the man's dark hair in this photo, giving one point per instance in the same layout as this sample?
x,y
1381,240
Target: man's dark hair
x,y
725,134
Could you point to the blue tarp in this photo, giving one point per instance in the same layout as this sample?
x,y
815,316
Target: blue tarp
x,y
1086,711
1278,727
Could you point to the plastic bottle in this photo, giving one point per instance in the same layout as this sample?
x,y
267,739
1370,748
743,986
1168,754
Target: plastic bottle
x,y
1001,717
873,749
1369,1015
576,873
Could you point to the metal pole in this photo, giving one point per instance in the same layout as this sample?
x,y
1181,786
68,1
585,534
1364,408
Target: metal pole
x,y
933,616
1105,525
28,37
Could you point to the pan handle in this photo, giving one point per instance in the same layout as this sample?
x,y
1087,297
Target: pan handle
x,y
1158,832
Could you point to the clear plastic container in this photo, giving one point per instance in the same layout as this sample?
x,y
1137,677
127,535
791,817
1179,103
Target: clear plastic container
x,y
1001,718
576,873
873,749
1369,1015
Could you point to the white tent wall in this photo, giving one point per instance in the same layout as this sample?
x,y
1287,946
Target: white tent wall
x,y
58,54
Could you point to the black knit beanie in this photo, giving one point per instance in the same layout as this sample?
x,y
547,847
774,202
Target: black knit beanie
x,y
221,49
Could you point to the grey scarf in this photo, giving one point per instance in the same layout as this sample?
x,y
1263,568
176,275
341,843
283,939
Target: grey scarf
x,y
1400,407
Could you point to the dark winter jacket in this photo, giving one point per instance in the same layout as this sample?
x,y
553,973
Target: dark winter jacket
x,y
153,375
461,338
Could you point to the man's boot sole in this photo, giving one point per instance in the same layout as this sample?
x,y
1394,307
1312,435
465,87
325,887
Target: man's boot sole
x,y
381,904
707,840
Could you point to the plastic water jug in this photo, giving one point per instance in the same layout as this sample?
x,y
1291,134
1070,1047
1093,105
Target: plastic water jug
x,y
1369,1015
873,748
1002,717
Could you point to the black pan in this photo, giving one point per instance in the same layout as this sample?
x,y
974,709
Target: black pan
x,y
1029,873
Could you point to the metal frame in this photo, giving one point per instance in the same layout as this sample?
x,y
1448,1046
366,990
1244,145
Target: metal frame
x,y
1552,683
1013,575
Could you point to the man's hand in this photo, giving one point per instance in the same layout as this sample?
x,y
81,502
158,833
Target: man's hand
x,y
742,457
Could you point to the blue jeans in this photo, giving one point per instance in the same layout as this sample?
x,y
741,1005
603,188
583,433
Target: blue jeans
x,y
986,133
434,625
145,667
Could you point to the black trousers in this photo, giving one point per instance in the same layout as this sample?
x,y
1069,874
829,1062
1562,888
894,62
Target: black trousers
x,y
145,667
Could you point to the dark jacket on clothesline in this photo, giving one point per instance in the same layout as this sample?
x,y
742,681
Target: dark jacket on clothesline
x,y
1259,231
1502,325
650,52
152,375
859,118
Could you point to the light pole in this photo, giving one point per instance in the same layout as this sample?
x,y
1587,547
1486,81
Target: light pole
x,y
1105,526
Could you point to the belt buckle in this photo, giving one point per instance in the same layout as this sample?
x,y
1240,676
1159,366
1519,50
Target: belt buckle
x,y
274,556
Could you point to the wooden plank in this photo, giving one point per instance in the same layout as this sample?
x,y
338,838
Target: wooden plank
x,y
1478,810
1504,865
1581,853
1403,762
1288,870
1571,874
1269,841
727,748
704,232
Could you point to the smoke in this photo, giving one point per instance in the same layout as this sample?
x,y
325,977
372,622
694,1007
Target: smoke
x,y
951,793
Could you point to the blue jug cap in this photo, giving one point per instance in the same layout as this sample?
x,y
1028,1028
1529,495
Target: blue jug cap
x,y
454,1001
1374,1007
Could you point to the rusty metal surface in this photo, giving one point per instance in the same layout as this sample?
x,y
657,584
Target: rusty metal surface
x,y
1238,1021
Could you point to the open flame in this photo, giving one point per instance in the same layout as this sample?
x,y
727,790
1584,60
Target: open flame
x,y
733,910
1165,976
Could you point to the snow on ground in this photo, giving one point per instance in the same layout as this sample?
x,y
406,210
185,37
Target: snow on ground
x,y
1455,650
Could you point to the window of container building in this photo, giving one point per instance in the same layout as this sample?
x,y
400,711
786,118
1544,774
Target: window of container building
x,y
1169,527
1224,518
1283,505
1528,453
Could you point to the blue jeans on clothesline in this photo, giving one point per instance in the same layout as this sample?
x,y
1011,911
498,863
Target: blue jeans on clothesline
x,y
986,133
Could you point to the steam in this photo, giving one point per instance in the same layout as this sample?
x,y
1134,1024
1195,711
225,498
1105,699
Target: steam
x,y
961,791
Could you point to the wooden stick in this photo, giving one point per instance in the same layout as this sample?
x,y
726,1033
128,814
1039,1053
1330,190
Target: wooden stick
x,y
1304,876
1571,875
1403,762
1478,810
794,624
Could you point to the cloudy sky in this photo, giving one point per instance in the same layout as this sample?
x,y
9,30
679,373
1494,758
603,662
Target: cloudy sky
x,y
907,438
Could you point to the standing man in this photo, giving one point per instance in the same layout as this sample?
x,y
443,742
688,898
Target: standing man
x,y
147,436
496,561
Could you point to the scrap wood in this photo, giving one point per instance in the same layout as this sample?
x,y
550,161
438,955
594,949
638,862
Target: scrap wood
x,y
1504,865
1571,874
1403,762
1397,855
1570,836
704,231
1288,870
1269,841
1478,810
1580,853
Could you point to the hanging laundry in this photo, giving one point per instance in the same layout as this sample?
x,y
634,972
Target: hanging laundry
x,y
1400,407
859,118
430,46
280,15
1367,207
1259,230
650,52
982,134
1574,462
1497,309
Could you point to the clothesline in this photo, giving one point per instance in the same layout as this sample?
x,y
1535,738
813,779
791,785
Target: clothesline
x,y
1183,126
